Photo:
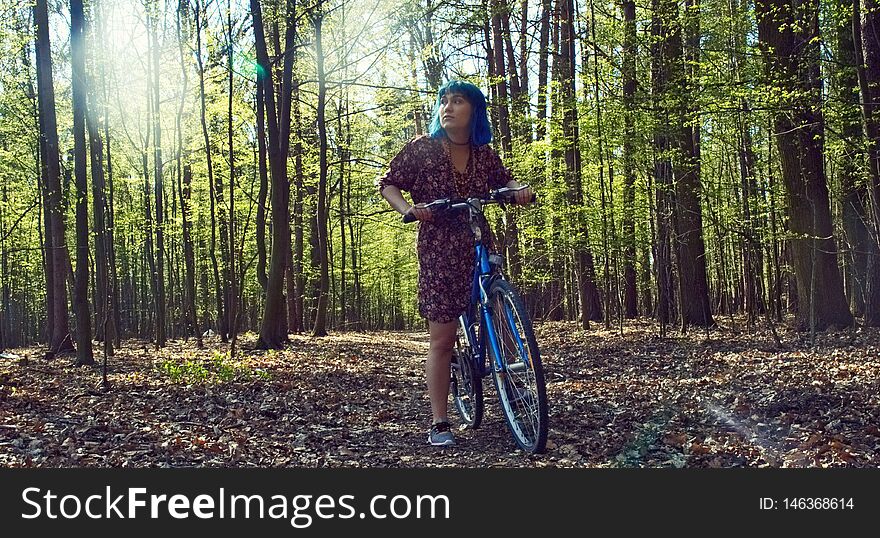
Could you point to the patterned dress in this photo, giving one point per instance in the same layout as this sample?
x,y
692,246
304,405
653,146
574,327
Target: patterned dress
x,y
445,243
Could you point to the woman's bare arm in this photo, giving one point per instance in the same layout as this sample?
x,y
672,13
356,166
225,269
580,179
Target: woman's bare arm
x,y
399,203
396,199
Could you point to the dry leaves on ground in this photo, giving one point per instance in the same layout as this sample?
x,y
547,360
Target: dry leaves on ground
x,y
354,399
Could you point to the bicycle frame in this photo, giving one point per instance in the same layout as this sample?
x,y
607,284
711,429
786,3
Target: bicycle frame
x,y
482,281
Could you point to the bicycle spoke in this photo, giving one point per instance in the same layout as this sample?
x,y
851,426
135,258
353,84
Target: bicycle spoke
x,y
520,381
466,385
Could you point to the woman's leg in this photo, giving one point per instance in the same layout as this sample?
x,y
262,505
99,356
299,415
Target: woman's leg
x,y
437,368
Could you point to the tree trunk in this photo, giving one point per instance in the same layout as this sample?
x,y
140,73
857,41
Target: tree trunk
x,y
232,301
792,55
693,284
149,252
517,104
751,244
298,215
605,193
84,354
866,28
320,328
753,261
523,98
508,104
57,254
185,193
432,62
273,325
543,57
219,294
5,313
159,187
661,82
343,153
588,293
631,308
103,296
264,189
501,105
114,325
189,254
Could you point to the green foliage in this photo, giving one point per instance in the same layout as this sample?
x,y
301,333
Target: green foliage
x,y
378,57
218,368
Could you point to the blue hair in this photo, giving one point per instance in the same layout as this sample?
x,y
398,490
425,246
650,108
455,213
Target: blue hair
x,y
481,130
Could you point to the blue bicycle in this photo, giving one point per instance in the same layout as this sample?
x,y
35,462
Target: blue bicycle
x,y
496,323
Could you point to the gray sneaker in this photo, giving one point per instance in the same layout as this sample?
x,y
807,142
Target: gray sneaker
x,y
440,435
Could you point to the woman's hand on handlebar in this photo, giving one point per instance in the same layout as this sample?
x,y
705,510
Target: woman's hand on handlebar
x,y
420,212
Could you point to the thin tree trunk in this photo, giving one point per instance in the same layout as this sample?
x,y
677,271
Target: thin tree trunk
x,y
84,354
102,296
149,252
866,29
212,249
343,259
159,187
232,301
523,100
184,184
262,278
111,216
298,214
5,313
320,328
543,61
500,86
189,254
114,328
631,308
604,192
431,58
846,94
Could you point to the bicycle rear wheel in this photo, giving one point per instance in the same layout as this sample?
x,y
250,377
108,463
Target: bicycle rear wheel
x,y
465,382
520,381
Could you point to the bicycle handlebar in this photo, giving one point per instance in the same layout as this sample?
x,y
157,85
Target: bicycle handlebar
x,y
499,196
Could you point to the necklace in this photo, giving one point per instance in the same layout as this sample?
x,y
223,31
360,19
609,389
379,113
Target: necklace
x,y
468,143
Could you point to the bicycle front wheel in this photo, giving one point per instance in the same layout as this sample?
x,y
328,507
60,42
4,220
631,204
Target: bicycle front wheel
x,y
520,377
466,384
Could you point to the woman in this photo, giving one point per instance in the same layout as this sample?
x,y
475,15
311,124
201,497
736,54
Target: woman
x,y
453,161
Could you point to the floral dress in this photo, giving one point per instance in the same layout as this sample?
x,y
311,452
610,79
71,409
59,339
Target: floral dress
x,y
446,243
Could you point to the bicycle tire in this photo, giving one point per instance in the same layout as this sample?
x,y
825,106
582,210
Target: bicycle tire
x,y
465,383
520,384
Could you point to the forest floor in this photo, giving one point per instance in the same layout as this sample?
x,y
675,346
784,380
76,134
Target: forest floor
x,y
734,399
